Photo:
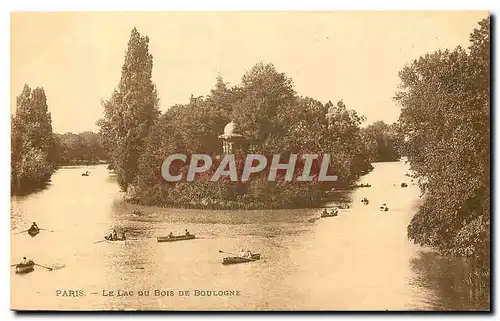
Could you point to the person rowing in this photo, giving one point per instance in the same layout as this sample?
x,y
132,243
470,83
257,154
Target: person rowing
x,y
123,236
187,232
24,261
171,235
245,254
34,227
114,235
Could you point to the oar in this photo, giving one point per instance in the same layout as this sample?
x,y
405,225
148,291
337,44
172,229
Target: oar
x,y
48,268
99,241
13,265
220,251
22,232
44,229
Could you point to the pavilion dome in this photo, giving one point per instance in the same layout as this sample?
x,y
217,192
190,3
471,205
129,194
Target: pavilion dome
x,y
230,131
230,128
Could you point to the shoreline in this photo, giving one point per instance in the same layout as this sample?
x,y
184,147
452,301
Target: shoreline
x,y
327,202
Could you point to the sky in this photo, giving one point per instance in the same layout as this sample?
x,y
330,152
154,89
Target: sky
x,y
348,55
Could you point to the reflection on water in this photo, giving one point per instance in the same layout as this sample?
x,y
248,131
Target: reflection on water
x,y
449,279
358,260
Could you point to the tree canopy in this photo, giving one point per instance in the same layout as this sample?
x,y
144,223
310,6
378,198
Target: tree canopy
x,y
383,142
83,148
273,119
131,110
32,145
445,117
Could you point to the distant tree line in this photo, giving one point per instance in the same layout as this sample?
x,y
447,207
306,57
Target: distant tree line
x,y
268,112
445,119
36,151
85,148
383,142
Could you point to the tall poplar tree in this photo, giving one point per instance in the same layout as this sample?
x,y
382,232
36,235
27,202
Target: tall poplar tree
x,y
32,144
131,110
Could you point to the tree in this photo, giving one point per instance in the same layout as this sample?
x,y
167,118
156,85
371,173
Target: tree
x,y
83,148
445,118
382,142
32,144
274,119
131,110
264,110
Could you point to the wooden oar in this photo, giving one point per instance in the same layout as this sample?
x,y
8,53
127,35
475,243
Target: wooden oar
x,y
22,232
13,265
44,229
46,267
99,241
220,251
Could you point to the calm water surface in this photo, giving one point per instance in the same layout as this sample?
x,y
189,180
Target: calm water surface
x,y
357,261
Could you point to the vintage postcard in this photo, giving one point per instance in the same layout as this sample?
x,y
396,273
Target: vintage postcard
x,y
250,161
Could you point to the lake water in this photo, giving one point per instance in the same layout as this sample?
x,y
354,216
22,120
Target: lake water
x,y
359,260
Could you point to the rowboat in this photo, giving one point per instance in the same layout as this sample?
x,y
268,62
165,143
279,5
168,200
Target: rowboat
x,y
25,268
33,231
239,259
114,241
331,214
175,238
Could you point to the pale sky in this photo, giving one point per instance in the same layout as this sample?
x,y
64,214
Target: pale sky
x,y
354,56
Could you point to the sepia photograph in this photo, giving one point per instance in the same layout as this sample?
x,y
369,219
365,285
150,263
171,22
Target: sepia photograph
x,y
250,161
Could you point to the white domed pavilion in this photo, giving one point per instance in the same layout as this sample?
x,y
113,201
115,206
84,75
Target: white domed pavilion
x,y
231,141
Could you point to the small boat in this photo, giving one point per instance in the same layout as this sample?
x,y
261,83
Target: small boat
x,y
363,185
25,268
86,173
333,213
239,259
384,208
117,240
404,185
175,238
329,215
33,231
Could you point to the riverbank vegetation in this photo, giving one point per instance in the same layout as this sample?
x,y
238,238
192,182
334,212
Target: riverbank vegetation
x,y
32,143
445,117
383,142
86,148
36,151
268,113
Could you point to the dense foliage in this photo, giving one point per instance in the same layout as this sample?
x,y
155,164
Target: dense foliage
x,y
382,141
131,110
32,145
273,119
445,100
79,149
